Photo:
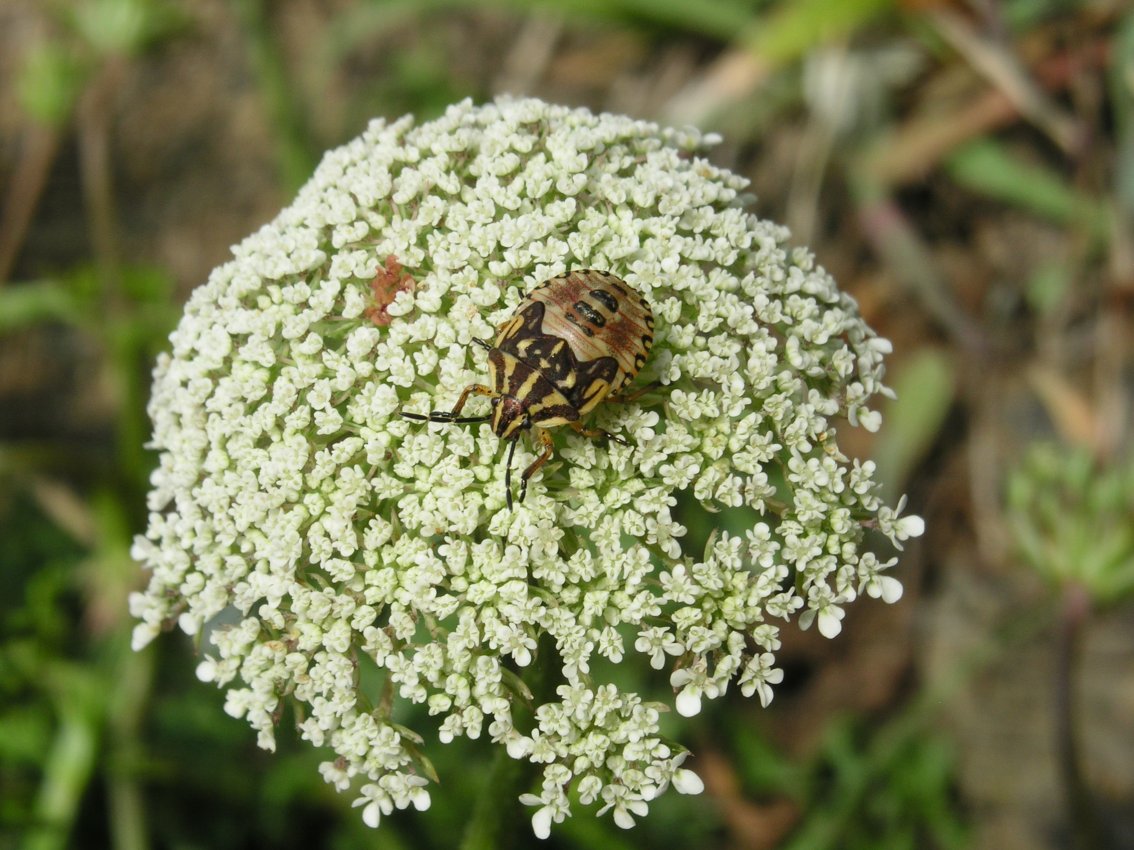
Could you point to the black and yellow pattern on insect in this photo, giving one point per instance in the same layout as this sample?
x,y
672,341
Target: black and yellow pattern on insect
x,y
575,340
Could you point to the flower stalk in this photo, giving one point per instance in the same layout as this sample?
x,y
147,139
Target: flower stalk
x,y
1086,827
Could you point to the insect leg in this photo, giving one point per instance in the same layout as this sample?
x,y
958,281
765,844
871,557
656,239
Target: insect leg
x,y
597,433
619,398
547,446
508,476
451,416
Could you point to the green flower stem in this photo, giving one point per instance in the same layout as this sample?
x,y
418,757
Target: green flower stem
x,y
497,817
128,815
1087,829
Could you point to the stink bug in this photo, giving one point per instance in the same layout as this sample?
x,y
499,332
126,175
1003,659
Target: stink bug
x,y
573,341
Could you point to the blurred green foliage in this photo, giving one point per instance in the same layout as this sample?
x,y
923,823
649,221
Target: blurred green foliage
x,y
890,789
1071,516
49,83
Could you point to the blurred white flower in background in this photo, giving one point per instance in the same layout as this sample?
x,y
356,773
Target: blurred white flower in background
x,y
337,535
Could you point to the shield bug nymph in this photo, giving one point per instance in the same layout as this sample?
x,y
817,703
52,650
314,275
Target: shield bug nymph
x,y
573,341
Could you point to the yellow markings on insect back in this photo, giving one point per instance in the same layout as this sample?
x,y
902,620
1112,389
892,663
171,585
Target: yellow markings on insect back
x,y
595,392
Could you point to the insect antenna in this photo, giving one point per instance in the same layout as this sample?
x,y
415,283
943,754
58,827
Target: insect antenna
x,y
442,416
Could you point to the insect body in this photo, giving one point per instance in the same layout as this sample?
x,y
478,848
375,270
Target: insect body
x,y
573,341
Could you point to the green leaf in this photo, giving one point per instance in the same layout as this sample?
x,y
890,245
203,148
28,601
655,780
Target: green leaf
x,y
988,168
25,733
125,27
49,82
925,386
794,28
1122,98
30,304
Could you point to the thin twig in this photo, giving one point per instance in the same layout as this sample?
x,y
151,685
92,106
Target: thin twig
x,y
1000,67
532,50
921,143
38,151
886,227
94,128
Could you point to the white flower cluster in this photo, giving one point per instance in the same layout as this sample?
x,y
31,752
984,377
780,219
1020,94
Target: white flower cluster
x,y
333,534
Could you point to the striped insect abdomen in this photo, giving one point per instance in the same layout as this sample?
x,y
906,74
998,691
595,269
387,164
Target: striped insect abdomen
x,y
598,315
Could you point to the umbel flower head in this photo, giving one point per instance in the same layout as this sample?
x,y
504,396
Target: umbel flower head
x,y
307,530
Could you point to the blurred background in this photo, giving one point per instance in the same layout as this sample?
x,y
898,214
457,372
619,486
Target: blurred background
x,y
964,169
